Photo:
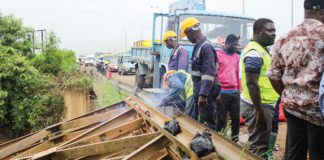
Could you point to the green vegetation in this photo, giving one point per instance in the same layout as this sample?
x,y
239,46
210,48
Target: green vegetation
x,y
16,36
77,81
31,85
54,60
107,93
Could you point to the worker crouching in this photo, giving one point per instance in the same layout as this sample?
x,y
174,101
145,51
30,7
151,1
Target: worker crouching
x,y
179,87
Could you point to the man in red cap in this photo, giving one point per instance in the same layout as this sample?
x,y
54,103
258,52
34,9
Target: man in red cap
x,y
295,73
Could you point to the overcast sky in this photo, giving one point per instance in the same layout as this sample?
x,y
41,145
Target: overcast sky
x,y
89,26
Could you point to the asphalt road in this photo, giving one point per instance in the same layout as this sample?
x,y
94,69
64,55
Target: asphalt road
x,y
128,79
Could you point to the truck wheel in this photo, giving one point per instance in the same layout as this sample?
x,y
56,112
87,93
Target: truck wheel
x,y
119,72
139,80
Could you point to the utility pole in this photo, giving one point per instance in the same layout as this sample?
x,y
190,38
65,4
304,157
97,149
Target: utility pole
x,y
243,8
292,14
125,40
42,37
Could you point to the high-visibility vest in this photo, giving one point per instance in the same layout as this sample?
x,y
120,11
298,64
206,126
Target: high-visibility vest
x,y
188,86
267,93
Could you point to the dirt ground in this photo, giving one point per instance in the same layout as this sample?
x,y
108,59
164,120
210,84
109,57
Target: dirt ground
x,y
281,139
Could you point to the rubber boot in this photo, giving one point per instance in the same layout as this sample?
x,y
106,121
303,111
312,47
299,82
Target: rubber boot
x,y
271,144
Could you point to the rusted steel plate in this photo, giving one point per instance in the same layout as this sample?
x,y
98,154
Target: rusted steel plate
x,y
189,127
149,149
105,147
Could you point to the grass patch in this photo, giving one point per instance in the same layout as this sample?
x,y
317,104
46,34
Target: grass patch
x,y
107,93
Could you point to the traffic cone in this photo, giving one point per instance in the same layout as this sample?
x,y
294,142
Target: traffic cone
x,y
109,74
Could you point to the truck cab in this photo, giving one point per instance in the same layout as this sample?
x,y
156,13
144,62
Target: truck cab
x,y
214,25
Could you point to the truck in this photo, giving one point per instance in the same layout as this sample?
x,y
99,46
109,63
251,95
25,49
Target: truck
x,y
107,57
214,25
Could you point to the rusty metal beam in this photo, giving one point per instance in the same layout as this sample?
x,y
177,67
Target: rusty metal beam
x,y
159,155
71,135
97,118
171,154
118,119
51,142
110,133
149,149
23,144
6,144
224,147
63,128
43,150
157,119
39,148
109,108
105,147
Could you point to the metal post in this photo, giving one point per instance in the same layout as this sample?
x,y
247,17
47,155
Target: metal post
x,y
292,14
42,41
125,40
42,37
243,7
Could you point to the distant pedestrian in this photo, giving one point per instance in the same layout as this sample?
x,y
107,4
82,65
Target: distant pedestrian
x,y
228,77
295,72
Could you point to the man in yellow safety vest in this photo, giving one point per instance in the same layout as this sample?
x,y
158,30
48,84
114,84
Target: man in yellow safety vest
x,y
258,97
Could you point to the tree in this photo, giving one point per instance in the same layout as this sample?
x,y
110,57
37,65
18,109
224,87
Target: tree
x,y
24,92
29,99
54,60
13,34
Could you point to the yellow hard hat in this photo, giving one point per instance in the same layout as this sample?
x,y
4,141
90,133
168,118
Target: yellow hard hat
x,y
167,35
165,78
187,23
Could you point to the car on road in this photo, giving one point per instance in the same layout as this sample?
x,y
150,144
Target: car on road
x,y
89,60
125,66
113,66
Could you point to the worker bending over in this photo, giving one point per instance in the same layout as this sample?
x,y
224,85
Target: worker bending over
x,y
179,88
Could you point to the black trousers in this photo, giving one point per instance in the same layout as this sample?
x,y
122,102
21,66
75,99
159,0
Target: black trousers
x,y
229,103
275,120
207,114
303,136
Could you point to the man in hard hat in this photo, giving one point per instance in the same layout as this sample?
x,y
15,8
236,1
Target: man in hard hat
x,y
179,56
295,72
258,96
204,69
180,90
